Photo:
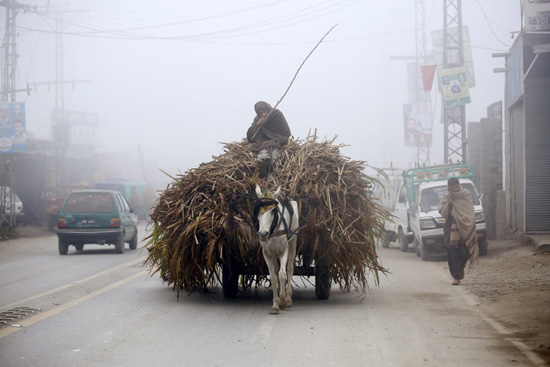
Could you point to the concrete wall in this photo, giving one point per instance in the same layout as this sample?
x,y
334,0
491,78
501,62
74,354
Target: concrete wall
x,y
485,154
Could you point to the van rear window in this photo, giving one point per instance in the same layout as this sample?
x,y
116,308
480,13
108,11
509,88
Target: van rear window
x,y
96,202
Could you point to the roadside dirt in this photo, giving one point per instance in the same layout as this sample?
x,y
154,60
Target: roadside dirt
x,y
513,285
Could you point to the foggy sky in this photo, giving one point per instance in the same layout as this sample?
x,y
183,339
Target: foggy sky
x,y
179,77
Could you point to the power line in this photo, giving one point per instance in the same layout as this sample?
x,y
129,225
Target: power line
x,y
489,24
300,16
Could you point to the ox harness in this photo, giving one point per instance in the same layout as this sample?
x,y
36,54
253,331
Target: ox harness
x,y
265,204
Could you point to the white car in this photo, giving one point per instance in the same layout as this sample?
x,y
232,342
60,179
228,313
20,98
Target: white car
x,y
10,203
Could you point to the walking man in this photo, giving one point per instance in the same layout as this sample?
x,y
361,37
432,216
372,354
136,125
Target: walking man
x,y
460,228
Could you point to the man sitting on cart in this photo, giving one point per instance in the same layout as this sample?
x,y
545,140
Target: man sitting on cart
x,y
269,131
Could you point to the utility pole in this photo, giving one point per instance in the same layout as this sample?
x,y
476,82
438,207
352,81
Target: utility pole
x,y
422,149
454,118
61,129
9,70
9,49
418,97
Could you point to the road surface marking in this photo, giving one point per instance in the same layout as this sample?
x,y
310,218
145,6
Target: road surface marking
x,y
71,284
265,329
54,311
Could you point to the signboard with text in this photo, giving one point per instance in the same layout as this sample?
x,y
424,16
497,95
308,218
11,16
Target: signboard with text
x,y
452,55
13,134
75,127
454,87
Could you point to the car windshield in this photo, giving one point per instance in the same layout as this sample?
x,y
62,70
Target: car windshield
x,y
431,197
90,202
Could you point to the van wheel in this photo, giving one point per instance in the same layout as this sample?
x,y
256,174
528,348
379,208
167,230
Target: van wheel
x,y
385,239
424,252
63,247
119,245
402,241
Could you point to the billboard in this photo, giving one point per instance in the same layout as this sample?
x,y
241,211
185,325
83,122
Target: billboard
x,y
536,15
13,134
417,119
454,87
452,55
74,127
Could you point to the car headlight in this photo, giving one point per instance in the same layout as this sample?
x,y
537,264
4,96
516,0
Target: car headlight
x,y
480,217
427,223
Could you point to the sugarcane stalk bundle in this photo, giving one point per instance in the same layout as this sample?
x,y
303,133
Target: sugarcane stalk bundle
x,y
204,217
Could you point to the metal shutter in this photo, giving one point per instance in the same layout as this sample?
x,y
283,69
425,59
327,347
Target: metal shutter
x,y
537,156
517,199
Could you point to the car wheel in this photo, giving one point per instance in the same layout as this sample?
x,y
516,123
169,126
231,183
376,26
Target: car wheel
x,y
63,247
134,241
119,245
483,247
402,241
79,247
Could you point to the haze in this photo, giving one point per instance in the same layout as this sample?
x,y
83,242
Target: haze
x,y
176,78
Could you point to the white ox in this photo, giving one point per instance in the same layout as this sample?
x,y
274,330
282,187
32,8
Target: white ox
x,y
277,224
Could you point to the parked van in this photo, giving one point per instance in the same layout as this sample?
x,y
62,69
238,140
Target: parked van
x,y
425,187
392,193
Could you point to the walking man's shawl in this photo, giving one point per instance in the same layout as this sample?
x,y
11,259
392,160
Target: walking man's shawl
x,y
461,208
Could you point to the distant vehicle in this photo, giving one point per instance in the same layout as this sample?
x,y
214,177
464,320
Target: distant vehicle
x,y
96,217
54,200
392,193
125,187
11,204
425,187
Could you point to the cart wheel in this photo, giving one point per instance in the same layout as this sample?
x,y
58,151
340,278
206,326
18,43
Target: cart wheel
x,y
230,280
402,239
322,279
63,247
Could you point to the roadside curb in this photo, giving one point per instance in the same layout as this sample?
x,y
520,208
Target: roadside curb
x,y
541,242
28,231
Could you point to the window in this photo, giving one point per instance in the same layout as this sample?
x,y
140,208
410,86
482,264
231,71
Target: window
x,y
95,202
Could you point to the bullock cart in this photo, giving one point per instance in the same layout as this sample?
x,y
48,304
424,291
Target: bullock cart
x,y
203,224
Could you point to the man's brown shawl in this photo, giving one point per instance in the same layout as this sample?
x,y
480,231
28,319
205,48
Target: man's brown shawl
x,y
461,208
274,133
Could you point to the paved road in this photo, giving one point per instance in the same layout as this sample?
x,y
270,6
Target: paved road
x,y
98,308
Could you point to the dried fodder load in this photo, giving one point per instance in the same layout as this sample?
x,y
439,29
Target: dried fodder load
x,y
204,217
